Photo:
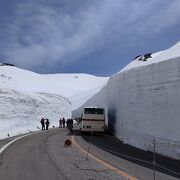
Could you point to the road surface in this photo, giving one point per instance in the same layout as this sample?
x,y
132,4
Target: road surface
x,y
132,160
43,156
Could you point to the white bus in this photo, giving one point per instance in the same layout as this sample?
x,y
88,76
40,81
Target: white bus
x,y
93,119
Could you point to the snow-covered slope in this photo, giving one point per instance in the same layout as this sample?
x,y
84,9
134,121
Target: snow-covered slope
x,y
71,86
21,112
26,97
160,56
143,103
98,100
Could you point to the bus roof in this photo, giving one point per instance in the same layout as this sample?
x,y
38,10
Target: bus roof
x,y
94,107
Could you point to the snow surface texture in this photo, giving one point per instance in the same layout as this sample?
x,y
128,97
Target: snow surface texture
x,y
143,103
26,97
97,100
168,54
21,112
76,87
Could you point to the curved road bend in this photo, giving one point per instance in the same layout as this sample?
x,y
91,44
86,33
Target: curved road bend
x,y
42,156
28,159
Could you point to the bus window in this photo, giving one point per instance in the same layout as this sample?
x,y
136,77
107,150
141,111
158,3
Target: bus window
x,y
93,111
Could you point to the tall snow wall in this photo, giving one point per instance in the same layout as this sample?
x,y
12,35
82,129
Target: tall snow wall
x,y
144,104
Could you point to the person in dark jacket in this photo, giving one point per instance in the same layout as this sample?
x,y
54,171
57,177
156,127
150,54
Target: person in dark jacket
x,y
63,121
47,124
60,123
43,123
69,123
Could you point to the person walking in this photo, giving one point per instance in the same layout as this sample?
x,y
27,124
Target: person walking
x,y
60,123
63,121
43,124
47,124
69,123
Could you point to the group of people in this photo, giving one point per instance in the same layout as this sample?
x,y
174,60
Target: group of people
x,y
45,123
69,123
62,123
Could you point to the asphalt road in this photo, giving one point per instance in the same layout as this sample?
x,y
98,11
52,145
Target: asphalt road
x,y
43,156
135,161
28,159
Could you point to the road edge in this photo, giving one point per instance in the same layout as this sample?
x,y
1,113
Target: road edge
x,y
14,140
110,166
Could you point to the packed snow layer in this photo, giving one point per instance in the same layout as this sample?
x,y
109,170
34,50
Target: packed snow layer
x,y
21,112
76,87
143,103
26,97
160,56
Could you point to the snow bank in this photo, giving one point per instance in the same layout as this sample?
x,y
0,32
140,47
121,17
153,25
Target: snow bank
x,y
160,56
76,87
26,97
143,103
21,112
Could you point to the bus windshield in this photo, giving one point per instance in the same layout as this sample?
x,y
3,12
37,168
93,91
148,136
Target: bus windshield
x,y
93,111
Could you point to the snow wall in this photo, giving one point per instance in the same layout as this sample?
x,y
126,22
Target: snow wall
x,y
143,104
98,100
21,112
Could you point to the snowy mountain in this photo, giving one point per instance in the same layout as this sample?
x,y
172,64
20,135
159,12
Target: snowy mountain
x,y
157,57
142,102
68,85
26,96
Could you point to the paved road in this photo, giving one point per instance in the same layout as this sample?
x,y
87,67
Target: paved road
x,y
28,159
42,156
119,153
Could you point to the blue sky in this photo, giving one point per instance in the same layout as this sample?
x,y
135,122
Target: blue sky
x,y
99,37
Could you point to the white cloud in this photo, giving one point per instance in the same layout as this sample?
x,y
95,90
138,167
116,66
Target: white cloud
x,y
40,33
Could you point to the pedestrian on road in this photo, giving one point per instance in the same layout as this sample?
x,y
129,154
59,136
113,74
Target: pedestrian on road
x,y
70,125
60,123
63,121
43,123
47,124
67,123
